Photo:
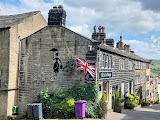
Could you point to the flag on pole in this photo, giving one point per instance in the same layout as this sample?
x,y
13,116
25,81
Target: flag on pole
x,y
85,67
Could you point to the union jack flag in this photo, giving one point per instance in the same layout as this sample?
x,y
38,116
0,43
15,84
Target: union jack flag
x,y
85,67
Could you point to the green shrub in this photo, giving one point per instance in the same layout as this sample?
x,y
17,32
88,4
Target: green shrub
x,y
145,102
61,104
91,111
131,101
88,92
157,101
102,106
64,109
117,103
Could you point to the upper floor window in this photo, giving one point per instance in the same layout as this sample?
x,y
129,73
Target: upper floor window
x,y
121,64
137,80
105,61
130,65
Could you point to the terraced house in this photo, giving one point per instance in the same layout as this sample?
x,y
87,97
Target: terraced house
x,y
43,55
119,68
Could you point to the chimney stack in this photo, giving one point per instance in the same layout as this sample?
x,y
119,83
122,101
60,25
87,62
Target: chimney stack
x,y
127,48
120,44
100,35
57,16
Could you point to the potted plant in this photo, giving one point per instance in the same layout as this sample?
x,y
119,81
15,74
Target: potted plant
x,y
117,104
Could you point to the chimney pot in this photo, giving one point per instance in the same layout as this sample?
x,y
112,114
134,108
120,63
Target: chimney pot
x,y
103,29
99,28
94,29
121,38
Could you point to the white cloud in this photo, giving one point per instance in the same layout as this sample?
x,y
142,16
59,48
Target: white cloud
x,y
118,16
81,29
144,49
156,41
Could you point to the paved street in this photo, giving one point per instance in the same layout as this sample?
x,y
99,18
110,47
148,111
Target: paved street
x,y
145,113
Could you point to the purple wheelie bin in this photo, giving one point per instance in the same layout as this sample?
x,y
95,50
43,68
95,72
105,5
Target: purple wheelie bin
x,y
80,108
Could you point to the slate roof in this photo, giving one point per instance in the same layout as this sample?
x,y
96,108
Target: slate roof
x,y
10,20
122,53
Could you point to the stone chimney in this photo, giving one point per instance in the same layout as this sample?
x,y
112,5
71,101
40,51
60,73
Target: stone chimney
x,y
131,51
100,35
57,16
119,44
110,42
127,48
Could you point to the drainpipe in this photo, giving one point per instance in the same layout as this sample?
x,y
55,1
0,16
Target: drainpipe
x,y
97,70
19,65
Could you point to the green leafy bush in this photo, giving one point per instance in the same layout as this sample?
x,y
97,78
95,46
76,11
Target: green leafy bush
x,y
157,101
88,92
131,101
61,104
91,109
102,106
117,104
145,102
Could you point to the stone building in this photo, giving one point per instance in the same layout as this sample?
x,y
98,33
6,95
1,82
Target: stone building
x,y
12,29
46,57
119,68
153,91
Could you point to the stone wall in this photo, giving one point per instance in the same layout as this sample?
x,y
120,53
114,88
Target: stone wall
x,y
9,45
4,59
18,31
3,106
37,62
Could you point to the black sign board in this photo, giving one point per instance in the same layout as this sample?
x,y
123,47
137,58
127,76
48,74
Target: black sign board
x,y
105,74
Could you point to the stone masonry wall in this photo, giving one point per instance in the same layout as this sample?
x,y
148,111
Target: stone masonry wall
x,y
37,62
4,59
18,31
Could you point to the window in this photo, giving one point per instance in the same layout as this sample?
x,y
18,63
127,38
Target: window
x,y
110,62
105,60
130,65
100,59
121,64
137,80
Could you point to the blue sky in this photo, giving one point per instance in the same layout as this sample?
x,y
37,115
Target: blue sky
x,y
138,21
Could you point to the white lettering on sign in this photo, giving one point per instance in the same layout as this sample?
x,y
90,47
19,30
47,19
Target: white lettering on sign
x,y
105,75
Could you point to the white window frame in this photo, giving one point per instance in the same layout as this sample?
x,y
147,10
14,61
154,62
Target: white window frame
x,y
103,60
122,64
107,62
